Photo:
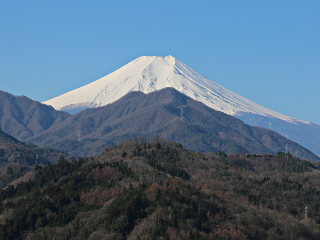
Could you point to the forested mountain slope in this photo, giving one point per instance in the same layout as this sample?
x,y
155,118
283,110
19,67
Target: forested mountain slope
x,y
159,190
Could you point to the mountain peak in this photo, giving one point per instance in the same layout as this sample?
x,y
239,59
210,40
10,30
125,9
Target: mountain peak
x,y
152,73
168,60
145,74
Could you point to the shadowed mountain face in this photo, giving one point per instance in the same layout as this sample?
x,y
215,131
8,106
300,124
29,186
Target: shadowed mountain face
x,y
166,113
22,117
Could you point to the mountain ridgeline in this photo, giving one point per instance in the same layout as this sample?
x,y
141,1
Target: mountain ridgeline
x,y
168,114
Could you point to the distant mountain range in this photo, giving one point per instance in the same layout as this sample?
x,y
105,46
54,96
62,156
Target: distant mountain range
x,y
168,114
148,74
116,108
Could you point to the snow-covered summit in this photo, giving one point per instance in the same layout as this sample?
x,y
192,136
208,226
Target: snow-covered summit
x,y
151,73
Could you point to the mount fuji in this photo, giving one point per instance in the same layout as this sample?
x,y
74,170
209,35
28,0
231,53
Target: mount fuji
x,y
152,73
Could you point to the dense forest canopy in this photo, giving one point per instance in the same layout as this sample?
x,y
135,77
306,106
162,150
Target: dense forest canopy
x,y
156,189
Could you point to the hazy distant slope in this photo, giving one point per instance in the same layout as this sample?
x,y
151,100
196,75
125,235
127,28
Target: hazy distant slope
x,y
307,135
22,117
169,114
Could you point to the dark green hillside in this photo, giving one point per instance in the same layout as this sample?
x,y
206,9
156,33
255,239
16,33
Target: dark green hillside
x,y
159,190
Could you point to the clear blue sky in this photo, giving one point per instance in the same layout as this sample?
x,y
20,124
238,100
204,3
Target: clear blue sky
x,y
267,51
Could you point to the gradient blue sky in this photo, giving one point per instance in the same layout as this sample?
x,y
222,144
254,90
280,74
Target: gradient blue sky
x,y
266,51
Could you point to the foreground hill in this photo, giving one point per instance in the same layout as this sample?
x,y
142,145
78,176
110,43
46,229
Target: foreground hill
x,y
166,113
159,190
22,117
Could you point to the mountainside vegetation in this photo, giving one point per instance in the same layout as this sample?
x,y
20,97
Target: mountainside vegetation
x,y
166,113
157,189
